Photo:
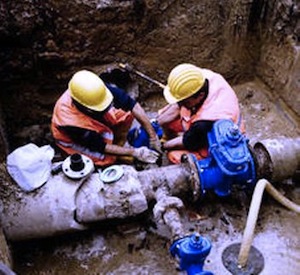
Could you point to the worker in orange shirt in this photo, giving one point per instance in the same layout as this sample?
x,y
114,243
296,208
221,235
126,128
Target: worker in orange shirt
x,y
91,117
197,98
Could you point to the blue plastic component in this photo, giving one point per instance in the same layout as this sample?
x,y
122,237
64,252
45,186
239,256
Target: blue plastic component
x,y
192,252
138,137
229,160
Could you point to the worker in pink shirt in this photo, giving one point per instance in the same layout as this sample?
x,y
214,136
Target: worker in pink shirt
x,y
197,98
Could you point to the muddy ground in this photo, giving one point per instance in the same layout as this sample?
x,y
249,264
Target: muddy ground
x,y
138,246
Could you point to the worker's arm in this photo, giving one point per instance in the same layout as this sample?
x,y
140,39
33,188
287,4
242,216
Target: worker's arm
x,y
95,143
143,153
143,119
168,113
196,137
86,138
125,102
118,150
140,115
193,139
175,143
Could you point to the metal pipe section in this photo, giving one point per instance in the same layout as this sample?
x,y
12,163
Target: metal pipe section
x,y
172,219
64,205
277,159
45,212
179,179
167,210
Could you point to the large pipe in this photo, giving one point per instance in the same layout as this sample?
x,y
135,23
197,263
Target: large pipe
x,y
179,178
65,205
277,159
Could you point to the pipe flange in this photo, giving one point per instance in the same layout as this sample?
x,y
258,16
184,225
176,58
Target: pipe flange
x,y
77,166
112,174
194,178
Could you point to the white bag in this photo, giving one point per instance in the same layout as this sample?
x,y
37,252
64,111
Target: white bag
x,y
30,165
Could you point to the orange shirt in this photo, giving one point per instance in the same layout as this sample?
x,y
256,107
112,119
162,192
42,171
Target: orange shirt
x,y
65,113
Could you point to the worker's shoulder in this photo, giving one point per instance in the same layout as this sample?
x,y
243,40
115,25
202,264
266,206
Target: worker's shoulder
x,y
210,74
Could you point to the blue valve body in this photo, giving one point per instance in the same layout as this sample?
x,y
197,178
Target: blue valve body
x,y
229,161
138,137
192,252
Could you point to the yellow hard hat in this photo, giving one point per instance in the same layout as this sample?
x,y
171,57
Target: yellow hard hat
x,y
89,90
184,81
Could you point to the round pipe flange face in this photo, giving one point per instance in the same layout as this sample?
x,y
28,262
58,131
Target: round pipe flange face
x,y
255,263
88,168
112,174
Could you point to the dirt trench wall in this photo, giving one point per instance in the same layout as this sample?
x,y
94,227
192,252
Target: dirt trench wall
x,y
279,62
44,42
41,36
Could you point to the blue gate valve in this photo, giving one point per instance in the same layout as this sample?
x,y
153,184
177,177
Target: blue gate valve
x,y
192,252
229,161
138,137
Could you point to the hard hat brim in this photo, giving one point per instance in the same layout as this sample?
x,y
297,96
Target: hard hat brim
x,y
184,81
168,96
104,104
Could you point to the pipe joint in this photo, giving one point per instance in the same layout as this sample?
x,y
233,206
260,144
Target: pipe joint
x,y
163,205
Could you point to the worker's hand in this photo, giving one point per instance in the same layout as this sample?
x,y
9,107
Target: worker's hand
x,y
145,155
155,144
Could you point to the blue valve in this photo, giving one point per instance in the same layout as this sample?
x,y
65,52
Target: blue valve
x,y
229,161
138,137
192,252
